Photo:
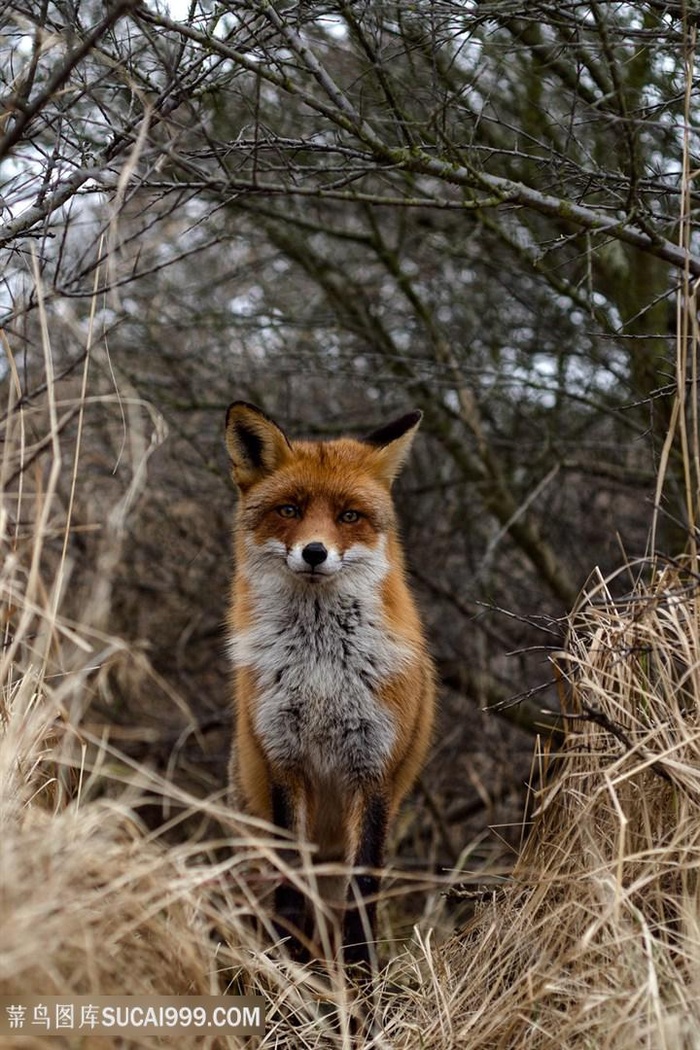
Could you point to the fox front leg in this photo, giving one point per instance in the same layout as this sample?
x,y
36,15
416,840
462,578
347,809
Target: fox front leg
x,y
291,915
361,915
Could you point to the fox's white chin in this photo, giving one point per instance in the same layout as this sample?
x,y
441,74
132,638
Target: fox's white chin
x,y
320,574
313,575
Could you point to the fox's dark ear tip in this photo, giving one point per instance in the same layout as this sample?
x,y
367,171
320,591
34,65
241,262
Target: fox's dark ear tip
x,y
236,405
410,419
394,430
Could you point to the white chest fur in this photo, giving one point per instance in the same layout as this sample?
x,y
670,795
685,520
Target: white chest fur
x,y
320,654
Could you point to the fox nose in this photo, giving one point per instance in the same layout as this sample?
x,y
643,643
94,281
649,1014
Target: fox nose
x,y
314,554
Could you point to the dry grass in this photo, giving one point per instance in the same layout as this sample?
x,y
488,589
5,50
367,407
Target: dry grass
x,y
595,939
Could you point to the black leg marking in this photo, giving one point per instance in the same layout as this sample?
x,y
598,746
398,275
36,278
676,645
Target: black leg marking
x,y
361,917
290,903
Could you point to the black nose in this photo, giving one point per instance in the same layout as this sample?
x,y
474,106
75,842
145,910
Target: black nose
x,y
314,554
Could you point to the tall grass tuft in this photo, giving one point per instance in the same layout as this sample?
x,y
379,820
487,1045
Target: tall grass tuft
x,y
595,939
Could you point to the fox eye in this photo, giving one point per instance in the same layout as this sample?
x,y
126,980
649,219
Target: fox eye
x,y
289,510
349,517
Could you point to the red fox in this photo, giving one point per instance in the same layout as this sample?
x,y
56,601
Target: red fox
x,y
334,686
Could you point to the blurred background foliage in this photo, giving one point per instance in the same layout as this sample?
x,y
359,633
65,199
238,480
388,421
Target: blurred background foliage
x,y
341,211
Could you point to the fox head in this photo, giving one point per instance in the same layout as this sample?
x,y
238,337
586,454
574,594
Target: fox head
x,y
318,510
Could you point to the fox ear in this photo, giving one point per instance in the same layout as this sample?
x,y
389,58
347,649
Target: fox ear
x,y
256,445
392,443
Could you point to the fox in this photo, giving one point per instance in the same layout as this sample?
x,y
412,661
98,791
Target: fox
x,y
334,686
